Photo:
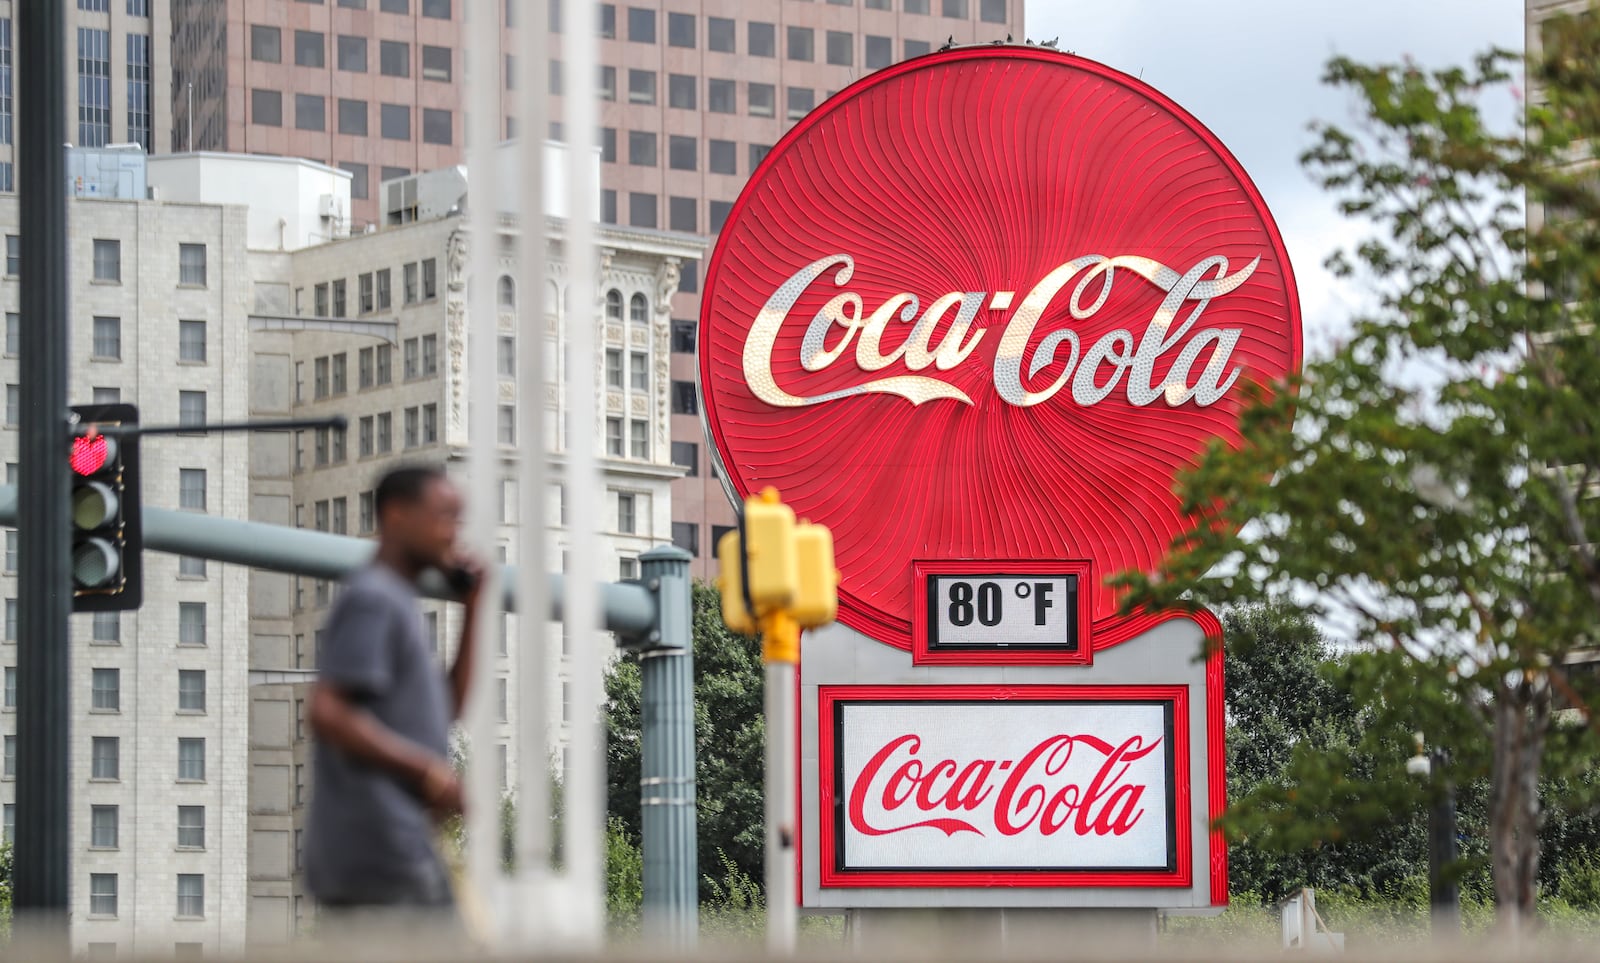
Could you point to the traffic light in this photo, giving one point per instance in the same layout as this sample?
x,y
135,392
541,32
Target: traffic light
x,y
773,565
107,574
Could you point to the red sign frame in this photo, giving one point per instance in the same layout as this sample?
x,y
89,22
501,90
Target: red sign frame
x,y
923,654
832,876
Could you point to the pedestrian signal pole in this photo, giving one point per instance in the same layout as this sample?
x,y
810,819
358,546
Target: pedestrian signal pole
x,y
778,577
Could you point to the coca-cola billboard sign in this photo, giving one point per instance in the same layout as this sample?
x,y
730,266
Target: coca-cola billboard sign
x,y
987,304
1032,785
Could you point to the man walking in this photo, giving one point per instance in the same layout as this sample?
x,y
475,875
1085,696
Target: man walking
x,y
381,712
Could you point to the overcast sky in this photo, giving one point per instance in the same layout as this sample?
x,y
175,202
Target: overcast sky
x,y
1250,70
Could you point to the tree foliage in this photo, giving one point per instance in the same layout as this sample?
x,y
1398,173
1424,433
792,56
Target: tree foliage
x,y
1429,482
729,736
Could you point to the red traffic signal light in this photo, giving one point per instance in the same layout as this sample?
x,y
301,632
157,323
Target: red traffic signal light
x,y
89,455
106,532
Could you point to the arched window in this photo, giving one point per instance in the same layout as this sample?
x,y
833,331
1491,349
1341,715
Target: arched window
x,y
552,297
613,305
639,310
508,292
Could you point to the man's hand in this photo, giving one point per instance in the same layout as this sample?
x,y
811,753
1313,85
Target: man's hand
x,y
472,568
441,789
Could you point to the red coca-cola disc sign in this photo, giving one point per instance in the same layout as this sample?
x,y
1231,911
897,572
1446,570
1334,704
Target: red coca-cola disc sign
x,y
986,304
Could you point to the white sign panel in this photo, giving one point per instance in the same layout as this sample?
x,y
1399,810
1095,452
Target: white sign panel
x,y
957,785
990,610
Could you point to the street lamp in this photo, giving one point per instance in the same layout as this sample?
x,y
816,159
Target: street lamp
x,y
1444,897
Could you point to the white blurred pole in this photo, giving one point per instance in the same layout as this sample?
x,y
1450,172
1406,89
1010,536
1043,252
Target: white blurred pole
x,y
484,464
532,651
779,790
585,784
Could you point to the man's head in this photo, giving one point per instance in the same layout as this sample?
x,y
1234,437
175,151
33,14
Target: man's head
x,y
419,512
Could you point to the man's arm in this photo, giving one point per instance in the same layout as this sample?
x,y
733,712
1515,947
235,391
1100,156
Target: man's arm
x,y
467,651
340,722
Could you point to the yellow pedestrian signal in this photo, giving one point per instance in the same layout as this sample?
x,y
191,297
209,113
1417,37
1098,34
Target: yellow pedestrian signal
x,y
777,576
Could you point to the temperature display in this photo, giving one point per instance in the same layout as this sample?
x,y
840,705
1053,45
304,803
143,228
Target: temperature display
x,y
990,611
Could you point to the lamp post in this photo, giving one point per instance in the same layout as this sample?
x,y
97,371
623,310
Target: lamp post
x,y
1444,896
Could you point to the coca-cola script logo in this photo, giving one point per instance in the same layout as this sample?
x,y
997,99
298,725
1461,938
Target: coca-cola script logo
x,y
1055,785
987,304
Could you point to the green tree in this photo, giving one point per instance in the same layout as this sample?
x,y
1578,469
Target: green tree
x,y
729,735
1430,483
5,889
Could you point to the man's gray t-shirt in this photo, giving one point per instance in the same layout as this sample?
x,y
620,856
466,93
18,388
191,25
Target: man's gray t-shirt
x,y
370,834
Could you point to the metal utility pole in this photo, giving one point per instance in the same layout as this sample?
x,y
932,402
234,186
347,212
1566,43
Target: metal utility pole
x,y
43,852
780,647
666,765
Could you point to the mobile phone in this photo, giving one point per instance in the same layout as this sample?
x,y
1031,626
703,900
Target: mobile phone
x,y
461,580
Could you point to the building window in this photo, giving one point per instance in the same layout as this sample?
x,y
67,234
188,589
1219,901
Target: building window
x,y
310,112
103,894
642,209
266,108
916,48
878,52
841,48
191,623
340,305
801,43
608,83
105,754
385,432
680,30
108,260
762,39
506,425
719,96
763,100
384,364
682,152
266,44
191,759
364,293
341,374
309,49
916,6
359,187
506,356
191,566
107,396
368,513
641,25
192,489
430,424
430,279
681,91
686,535
992,11
13,333
435,63
103,827
955,8
613,368
105,690
364,436
639,440
683,214
94,87
191,896
608,206
413,426
627,568
191,827
642,148
11,550
639,371
430,355
8,823
192,408
801,100
683,335
437,9
13,255
353,120
394,58
192,265
319,301
437,126
192,690
689,278
394,121
192,341
10,697
106,629
722,157
608,144
107,338
627,516
684,401
641,86
718,215
613,305
720,35
614,437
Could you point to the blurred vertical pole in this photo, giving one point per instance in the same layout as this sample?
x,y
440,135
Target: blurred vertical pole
x,y
585,808
1444,897
533,652
779,791
485,469
43,852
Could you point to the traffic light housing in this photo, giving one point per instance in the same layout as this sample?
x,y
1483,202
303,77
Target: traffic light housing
x,y
106,535
773,564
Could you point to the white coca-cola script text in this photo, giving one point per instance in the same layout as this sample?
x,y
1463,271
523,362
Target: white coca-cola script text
x,y
1115,359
